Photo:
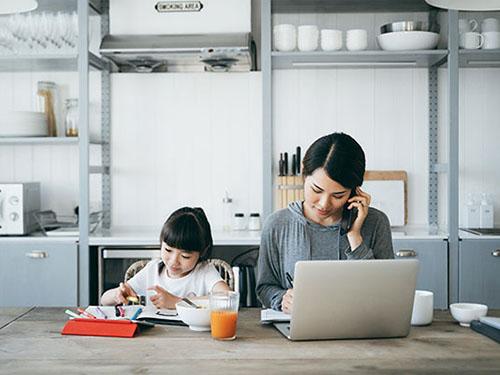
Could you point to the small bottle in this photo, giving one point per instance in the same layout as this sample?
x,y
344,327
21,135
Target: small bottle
x,y
47,97
471,212
239,221
485,212
227,212
254,221
71,119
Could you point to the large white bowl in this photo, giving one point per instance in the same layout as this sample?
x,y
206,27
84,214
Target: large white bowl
x,y
196,319
23,124
408,40
467,312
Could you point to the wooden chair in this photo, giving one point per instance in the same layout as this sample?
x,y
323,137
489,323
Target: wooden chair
x,y
223,267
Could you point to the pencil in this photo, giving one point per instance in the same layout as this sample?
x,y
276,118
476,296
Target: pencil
x,y
72,314
289,278
101,312
136,314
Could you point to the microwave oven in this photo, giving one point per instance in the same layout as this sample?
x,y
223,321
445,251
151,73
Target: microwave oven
x,y
18,203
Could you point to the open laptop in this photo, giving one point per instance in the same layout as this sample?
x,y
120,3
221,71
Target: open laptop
x,y
351,299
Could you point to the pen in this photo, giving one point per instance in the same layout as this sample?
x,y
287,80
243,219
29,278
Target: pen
x,y
101,312
136,314
86,313
289,278
72,314
122,311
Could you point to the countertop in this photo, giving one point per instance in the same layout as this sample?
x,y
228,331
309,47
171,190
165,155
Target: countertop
x,y
31,342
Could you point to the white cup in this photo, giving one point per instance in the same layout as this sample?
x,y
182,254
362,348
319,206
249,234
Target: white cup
x,y
284,37
331,40
307,38
471,40
465,25
491,40
356,39
423,308
490,24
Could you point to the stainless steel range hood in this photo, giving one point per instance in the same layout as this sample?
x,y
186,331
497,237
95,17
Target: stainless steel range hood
x,y
180,53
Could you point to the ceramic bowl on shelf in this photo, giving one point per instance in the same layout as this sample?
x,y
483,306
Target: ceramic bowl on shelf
x,y
408,40
465,313
196,319
23,124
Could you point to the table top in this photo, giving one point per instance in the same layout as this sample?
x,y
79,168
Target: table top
x,y
30,340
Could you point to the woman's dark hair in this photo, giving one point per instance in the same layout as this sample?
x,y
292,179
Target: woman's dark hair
x,y
340,156
188,229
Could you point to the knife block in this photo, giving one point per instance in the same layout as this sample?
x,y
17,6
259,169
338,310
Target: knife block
x,y
288,189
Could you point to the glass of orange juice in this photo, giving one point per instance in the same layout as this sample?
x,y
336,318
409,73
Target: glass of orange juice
x,y
224,314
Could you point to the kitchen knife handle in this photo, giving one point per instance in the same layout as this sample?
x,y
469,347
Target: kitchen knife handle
x,y
496,253
406,253
37,255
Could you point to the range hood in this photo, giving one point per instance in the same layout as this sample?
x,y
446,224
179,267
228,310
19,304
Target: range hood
x,y
231,52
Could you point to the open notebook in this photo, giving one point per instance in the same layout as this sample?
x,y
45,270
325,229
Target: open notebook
x,y
149,314
268,316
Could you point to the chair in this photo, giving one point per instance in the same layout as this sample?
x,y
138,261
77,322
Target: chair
x,y
223,267
245,265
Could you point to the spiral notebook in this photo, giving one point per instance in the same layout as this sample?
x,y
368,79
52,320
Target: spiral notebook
x,y
149,314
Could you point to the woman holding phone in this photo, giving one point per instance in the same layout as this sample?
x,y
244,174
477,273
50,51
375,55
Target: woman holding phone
x,y
335,220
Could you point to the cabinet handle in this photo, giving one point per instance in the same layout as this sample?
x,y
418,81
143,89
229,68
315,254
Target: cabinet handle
x,y
406,254
496,253
37,255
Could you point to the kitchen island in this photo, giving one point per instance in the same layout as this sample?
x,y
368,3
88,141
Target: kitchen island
x,y
30,341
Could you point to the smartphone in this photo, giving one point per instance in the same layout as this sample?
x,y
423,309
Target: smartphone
x,y
348,216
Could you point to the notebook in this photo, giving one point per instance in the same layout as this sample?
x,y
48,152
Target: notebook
x,y
268,316
149,314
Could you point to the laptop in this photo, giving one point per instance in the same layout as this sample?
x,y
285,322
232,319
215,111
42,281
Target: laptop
x,y
351,299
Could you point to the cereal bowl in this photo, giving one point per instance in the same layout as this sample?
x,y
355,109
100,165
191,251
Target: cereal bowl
x,y
464,313
196,319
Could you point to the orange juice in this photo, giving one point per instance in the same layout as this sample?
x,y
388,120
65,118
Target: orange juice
x,y
223,324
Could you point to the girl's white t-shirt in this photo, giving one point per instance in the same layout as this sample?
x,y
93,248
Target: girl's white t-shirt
x,y
198,282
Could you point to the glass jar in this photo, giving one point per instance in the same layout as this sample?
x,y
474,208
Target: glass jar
x,y
254,221
226,212
239,222
71,119
46,91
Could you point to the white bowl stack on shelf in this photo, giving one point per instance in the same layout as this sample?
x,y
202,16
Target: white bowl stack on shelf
x,y
23,124
407,36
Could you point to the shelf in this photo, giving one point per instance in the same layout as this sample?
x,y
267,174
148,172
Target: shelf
x,y
42,141
348,6
361,59
479,58
48,63
54,6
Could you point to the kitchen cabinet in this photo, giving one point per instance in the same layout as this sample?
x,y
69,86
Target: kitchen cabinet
x,y
433,265
479,269
38,273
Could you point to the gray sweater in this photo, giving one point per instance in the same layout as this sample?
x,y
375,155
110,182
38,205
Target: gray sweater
x,y
288,237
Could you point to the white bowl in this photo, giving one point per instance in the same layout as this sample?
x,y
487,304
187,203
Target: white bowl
x,y
467,312
196,319
408,40
23,124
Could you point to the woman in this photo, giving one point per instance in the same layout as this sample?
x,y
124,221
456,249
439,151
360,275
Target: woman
x,y
333,222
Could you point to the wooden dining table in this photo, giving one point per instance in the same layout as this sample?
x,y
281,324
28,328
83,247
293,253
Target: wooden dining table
x,y
31,342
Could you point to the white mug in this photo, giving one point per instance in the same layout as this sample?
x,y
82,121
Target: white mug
x,y
490,24
331,40
491,40
423,308
471,40
465,25
307,38
284,37
356,39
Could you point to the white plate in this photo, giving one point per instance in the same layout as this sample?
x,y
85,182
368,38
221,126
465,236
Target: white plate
x,y
23,124
408,40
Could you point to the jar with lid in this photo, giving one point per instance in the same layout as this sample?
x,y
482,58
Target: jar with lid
x,y
71,119
254,221
46,91
239,221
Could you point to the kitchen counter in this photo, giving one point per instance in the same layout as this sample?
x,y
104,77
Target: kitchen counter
x,y
468,235
33,343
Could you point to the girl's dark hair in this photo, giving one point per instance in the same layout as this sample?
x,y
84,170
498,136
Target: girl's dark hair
x,y
340,156
188,229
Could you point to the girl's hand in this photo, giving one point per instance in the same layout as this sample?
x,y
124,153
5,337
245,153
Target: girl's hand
x,y
163,299
122,292
287,302
361,201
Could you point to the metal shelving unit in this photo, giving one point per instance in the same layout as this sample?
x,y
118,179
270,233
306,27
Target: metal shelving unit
x,y
481,58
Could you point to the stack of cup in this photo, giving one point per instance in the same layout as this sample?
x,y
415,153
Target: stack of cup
x,y
284,37
307,38
490,30
331,40
356,39
469,37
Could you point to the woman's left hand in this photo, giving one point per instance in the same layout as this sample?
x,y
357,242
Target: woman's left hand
x,y
163,299
361,201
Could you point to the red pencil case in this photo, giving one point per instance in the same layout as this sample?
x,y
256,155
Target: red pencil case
x,y
100,327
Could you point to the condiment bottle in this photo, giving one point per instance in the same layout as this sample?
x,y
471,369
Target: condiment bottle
x,y
239,221
227,212
254,221
47,96
71,119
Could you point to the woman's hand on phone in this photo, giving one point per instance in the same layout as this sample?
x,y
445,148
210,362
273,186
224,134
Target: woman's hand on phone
x,y
361,201
287,302
163,299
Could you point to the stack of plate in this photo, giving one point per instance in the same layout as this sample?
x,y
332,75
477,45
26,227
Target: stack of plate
x,y
407,36
23,124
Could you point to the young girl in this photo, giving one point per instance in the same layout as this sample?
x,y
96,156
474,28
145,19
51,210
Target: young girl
x,y
183,270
